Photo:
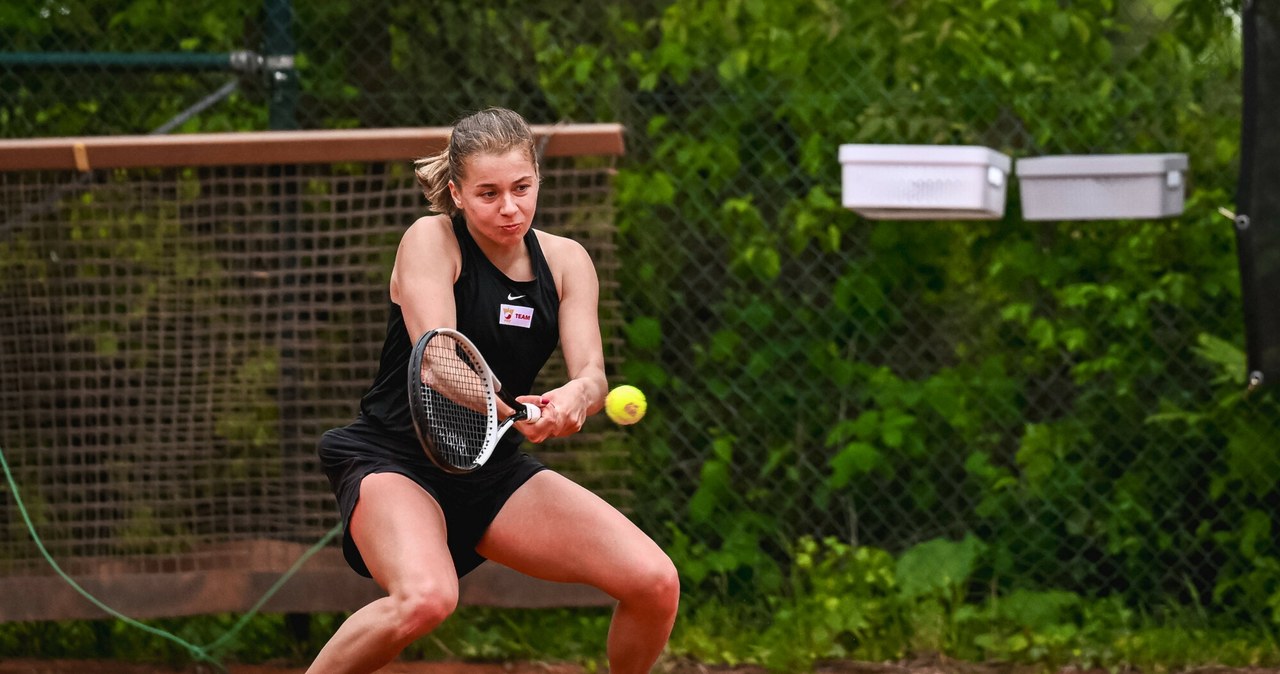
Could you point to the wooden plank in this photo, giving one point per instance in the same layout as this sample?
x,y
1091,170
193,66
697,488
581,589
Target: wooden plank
x,y
323,584
278,147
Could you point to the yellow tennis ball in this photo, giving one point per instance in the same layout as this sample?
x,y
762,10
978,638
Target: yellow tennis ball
x,y
625,405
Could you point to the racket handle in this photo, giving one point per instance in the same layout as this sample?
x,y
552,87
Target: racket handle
x,y
532,412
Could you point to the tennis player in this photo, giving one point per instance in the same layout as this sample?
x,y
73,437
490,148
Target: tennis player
x,y
415,529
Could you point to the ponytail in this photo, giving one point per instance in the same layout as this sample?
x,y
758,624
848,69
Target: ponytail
x,y
433,176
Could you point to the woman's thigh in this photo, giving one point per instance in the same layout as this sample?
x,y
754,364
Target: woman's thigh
x,y
554,529
400,531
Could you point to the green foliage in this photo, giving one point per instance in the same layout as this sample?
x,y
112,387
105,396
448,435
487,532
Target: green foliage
x,y
843,602
72,101
838,602
1244,485
473,634
1033,393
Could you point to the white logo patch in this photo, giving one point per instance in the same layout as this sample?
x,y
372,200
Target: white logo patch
x,y
520,317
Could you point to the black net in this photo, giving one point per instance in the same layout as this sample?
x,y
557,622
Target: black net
x,y
176,340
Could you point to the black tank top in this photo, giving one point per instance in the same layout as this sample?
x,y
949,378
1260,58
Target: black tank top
x,y
514,324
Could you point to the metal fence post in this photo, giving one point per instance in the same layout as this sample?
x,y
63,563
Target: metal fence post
x,y
283,78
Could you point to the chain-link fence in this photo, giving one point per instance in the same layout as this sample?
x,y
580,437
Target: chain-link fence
x,y
1069,394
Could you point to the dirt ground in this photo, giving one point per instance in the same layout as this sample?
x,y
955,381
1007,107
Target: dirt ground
x,y
29,666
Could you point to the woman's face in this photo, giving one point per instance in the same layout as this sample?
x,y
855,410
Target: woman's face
x,y
499,195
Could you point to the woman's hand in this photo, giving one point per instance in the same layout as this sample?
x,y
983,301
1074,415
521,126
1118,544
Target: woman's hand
x,y
564,411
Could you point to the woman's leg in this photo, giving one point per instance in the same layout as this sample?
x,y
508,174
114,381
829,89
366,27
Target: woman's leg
x,y
400,532
554,529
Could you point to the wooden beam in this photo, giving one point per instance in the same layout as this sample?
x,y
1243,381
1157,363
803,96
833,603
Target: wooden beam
x,y
278,147
323,584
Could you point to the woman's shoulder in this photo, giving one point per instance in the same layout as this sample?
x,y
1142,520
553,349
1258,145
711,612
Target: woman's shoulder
x,y
429,227
427,248
428,235
428,238
560,248
568,260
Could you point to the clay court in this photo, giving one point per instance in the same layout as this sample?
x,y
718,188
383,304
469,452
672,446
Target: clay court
x,y
936,666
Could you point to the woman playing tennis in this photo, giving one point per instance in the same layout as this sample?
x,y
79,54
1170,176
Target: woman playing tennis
x,y
412,527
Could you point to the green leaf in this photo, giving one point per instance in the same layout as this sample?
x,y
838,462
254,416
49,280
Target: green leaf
x,y
937,568
644,333
853,460
713,487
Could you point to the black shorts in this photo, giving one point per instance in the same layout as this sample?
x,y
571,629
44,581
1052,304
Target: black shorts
x,y
470,502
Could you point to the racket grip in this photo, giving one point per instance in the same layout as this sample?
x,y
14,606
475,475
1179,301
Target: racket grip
x,y
532,412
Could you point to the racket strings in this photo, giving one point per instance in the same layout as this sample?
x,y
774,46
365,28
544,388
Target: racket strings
x,y
456,403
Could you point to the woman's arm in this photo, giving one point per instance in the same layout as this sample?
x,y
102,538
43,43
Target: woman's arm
x,y
583,395
427,264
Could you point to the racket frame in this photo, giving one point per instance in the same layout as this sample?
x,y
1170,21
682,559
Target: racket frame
x,y
495,429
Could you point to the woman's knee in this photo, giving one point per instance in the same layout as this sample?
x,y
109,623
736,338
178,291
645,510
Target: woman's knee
x,y
654,582
421,607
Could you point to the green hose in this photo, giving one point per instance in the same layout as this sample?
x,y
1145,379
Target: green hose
x,y
200,653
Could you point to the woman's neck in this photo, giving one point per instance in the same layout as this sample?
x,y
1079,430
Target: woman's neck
x,y
513,261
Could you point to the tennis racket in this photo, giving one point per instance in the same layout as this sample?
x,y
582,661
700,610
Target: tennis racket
x,y
453,399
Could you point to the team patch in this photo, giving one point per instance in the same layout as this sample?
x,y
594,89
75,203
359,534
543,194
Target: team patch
x,y
520,317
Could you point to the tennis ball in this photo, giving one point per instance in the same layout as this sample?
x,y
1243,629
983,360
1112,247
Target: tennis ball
x,y
625,405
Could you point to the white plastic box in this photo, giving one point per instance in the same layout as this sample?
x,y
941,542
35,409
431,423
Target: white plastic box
x,y
924,182
1102,187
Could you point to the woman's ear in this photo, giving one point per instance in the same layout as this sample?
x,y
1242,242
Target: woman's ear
x,y
453,193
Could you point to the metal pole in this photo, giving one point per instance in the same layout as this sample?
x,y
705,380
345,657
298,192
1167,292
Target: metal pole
x,y
282,79
279,64
236,60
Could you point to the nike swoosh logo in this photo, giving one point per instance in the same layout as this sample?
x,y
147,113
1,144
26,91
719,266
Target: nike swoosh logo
x,y
513,297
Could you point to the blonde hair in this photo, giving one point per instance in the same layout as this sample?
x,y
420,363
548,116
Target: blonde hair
x,y
490,131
